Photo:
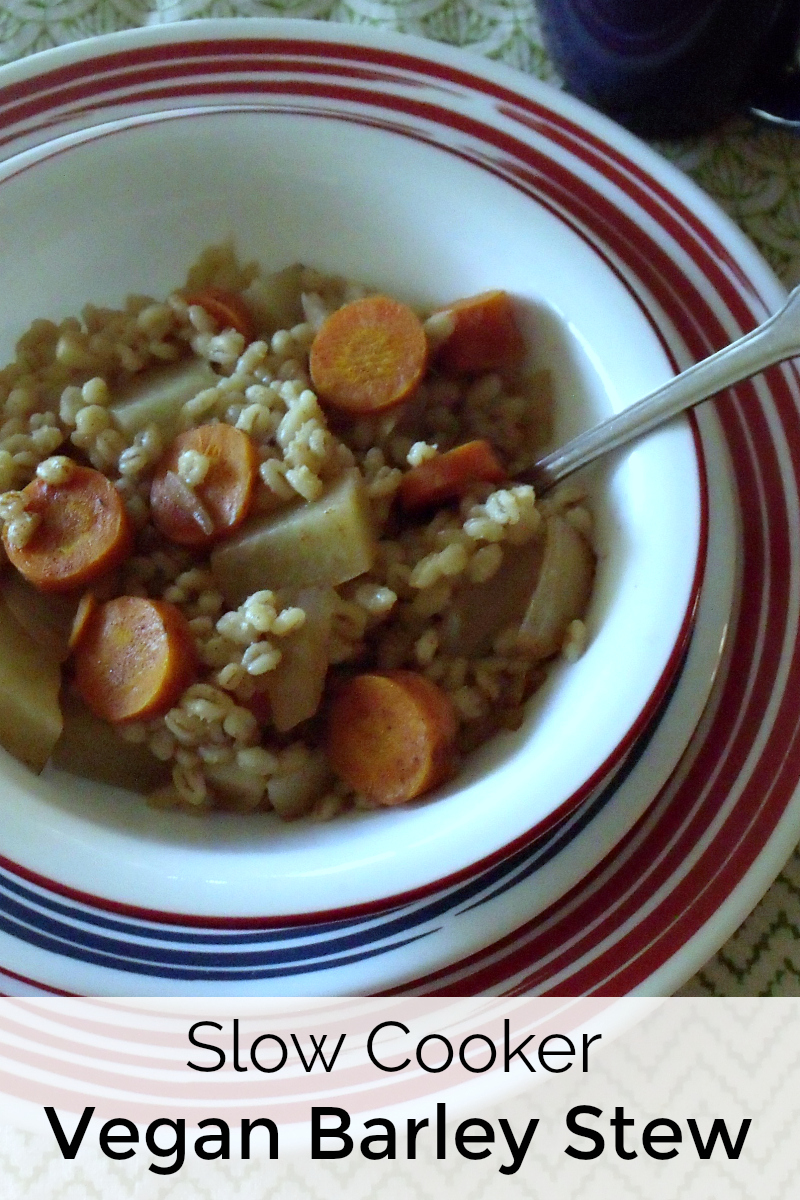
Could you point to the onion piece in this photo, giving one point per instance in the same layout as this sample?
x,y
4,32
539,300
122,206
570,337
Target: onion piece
x,y
181,495
562,590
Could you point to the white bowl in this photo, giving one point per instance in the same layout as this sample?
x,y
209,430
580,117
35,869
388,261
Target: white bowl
x,y
428,195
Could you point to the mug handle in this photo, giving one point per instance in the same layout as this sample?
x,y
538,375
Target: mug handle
x,y
775,95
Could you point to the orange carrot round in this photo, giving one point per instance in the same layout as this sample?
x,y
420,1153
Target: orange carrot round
x,y
368,356
87,606
485,336
450,475
227,308
135,658
84,531
201,514
391,736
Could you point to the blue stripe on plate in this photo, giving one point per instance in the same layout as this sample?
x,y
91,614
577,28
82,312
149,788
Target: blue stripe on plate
x,y
92,936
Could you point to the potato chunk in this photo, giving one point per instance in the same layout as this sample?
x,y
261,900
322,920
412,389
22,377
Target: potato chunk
x,y
30,678
292,795
90,747
241,790
275,299
157,397
46,616
295,686
479,611
562,590
324,542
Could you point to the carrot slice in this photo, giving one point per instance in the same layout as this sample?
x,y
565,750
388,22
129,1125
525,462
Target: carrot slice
x,y
368,356
450,475
200,515
135,658
391,736
84,531
485,336
87,606
228,309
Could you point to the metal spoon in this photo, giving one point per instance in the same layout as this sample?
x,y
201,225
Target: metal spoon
x,y
777,339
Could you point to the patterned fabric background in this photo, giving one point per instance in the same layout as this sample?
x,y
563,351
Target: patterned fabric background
x,y
753,173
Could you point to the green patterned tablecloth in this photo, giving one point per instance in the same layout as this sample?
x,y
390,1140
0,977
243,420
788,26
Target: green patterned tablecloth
x,y
753,173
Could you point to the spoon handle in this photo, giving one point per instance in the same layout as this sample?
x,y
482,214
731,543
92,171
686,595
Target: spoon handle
x,y
776,339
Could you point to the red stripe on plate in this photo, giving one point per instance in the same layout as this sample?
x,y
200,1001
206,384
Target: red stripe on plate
x,y
719,763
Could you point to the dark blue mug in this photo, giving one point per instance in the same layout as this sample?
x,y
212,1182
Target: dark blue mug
x,y
673,67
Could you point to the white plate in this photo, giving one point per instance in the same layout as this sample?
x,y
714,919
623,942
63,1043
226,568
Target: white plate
x,y
644,880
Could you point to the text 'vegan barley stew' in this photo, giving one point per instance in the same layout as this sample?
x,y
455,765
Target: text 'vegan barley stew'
x,y
264,543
